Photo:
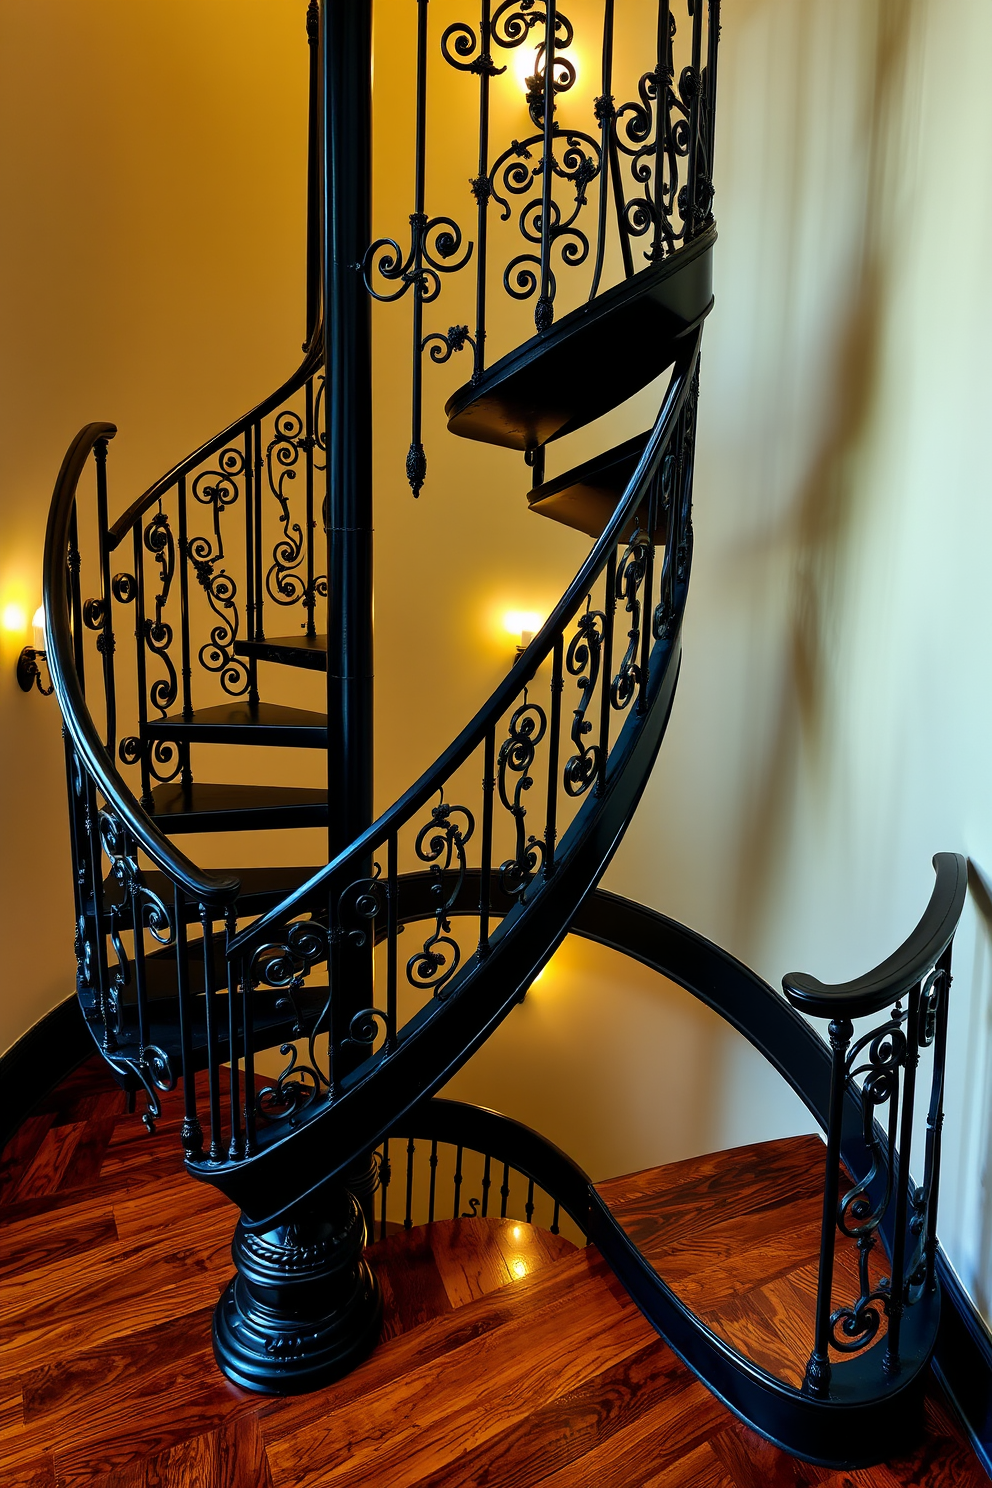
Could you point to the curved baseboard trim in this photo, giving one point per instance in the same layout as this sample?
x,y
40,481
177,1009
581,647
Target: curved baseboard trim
x,y
39,1061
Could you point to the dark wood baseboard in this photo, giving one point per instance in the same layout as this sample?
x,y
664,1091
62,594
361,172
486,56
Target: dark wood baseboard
x,y
963,1362
38,1063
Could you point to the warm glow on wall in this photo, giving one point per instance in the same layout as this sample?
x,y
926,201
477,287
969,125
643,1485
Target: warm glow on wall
x,y
523,624
526,65
15,618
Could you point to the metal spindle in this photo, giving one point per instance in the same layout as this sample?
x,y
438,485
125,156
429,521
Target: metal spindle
x,y
392,933
692,179
187,666
544,313
433,1188
248,1051
310,598
141,668
257,507
480,188
140,980
935,1117
898,1288
210,1008
606,113
410,1154
486,867
504,1192
817,1379
645,620
663,73
555,1218
529,1206
385,1173
554,749
192,1132
236,1146
606,670
105,641
486,1184
458,1179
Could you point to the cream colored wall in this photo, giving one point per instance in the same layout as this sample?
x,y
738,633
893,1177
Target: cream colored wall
x,y
828,730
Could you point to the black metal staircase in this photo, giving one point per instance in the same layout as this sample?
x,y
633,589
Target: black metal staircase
x,y
470,880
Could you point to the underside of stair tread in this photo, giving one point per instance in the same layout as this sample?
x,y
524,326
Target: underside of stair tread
x,y
203,807
273,1018
592,359
240,722
295,650
736,1235
552,1379
586,497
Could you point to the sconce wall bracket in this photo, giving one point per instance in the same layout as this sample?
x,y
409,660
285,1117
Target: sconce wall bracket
x,y
29,672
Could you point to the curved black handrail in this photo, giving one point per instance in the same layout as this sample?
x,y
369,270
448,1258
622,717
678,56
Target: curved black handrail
x,y
312,362
210,888
505,1139
518,676
905,968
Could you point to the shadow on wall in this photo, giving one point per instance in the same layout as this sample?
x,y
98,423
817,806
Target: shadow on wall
x,y
820,529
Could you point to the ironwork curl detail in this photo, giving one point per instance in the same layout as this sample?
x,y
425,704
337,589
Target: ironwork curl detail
x,y
283,584
582,661
296,1088
363,1027
517,753
220,588
159,541
441,843
630,578
219,489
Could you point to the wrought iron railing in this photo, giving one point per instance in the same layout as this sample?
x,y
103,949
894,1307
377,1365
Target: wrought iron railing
x,y
589,191
875,1067
285,977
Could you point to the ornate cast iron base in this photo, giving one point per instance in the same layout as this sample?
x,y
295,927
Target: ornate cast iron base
x,y
304,1308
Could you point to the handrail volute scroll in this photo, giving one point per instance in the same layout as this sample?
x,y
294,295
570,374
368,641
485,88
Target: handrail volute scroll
x,y
904,969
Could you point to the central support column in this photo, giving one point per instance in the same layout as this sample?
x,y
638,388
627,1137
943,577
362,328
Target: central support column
x,y
304,1307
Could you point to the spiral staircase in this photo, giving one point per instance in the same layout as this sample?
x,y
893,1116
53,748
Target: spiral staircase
x,y
254,554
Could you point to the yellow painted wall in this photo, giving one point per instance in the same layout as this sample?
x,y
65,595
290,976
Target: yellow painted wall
x,y
832,719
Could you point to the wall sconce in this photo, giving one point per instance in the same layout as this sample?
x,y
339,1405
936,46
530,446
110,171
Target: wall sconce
x,y
524,624
28,669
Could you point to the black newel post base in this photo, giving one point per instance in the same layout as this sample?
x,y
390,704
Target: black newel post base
x,y
304,1308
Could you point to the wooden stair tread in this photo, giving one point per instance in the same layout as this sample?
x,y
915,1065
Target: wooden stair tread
x,y
591,360
586,497
108,1378
204,807
305,651
240,722
736,1236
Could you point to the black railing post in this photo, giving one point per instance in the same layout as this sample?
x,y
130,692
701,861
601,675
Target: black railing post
x,y
817,1379
898,1286
313,173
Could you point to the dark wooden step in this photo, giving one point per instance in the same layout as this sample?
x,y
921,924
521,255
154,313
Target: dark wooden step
x,y
295,650
237,808
261,889
244,723
591,360
586,497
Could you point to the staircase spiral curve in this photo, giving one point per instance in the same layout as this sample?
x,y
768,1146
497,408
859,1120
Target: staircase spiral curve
x,y
379,973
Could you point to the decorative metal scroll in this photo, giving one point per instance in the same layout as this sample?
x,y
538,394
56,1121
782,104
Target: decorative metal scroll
x,y
583,660
630,578
441,842
518,751
283,583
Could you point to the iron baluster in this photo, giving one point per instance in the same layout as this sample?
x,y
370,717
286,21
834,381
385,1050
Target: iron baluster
x,y
605,113
935,1117
606,667
486,1184
210,1011
555,1218
392,934
105,640
554,749
410,1154
310,599
384,1176
458,1181
236,1147
95,855
433,1183
898,1287
663,86
644,620
486,866
712,50
140,750
691,214
313,173
544,313
529,1206
76,600
134,895
249,536
817,1380
186,664
248,1053
480,186
192,1132
504,1191
257,459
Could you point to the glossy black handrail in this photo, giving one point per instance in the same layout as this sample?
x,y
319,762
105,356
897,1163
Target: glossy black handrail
x,y
208,888
311,364
905,968
519,675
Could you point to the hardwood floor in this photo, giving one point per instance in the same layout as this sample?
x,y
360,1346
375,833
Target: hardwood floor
x,y
510,1358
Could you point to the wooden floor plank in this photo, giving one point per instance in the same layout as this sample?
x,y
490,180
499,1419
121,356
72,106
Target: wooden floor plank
x,y
511,1360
